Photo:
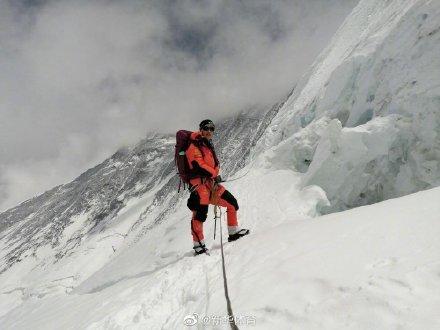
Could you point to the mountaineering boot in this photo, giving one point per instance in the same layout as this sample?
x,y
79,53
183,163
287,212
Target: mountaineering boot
x,y
199,248
239,233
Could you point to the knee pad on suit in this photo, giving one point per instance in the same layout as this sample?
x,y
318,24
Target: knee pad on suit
x,y
202,213
193,201
227,196
194,205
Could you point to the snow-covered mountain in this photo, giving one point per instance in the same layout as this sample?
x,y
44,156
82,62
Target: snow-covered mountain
x,y
110,249
65,216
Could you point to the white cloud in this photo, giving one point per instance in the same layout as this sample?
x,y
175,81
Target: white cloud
x,y
105,72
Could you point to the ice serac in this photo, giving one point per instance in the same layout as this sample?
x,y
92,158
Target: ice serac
x,y
365,122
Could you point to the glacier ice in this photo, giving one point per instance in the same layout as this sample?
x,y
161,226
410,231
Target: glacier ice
x,y
365,122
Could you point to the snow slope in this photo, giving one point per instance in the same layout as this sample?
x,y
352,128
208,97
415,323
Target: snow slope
x,y
47,243
374,267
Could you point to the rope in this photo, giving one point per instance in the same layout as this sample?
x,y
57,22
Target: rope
x,y
225,281
251,165
240,177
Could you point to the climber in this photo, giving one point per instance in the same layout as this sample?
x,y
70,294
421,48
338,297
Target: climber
x,y
206,188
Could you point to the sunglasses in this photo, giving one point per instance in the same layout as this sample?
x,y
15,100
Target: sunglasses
x,y
208,128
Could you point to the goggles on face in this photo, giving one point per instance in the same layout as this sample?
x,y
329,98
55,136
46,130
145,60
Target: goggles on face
x,y
208,128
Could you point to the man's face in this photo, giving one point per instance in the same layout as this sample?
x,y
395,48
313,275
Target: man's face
x,y
207,131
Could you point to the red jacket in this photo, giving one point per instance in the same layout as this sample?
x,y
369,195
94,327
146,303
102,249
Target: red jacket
x,y
202,158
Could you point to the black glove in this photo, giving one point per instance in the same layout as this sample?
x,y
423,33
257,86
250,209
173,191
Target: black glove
x,y
218,179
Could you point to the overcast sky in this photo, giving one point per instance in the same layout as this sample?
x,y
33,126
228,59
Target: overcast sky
x,y
79,79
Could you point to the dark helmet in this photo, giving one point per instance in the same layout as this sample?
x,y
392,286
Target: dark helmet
x,y
207,123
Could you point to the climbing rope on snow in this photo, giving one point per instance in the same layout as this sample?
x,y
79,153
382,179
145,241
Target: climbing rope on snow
x,y
225,281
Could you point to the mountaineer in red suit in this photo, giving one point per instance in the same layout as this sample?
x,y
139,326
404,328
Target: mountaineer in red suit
x,y
206,188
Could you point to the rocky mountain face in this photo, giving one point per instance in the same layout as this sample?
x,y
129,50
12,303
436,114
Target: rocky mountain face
x,y
100,193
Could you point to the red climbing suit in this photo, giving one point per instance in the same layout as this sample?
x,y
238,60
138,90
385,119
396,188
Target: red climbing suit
x,y
203,163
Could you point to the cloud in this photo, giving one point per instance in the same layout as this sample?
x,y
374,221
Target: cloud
x,y
79,79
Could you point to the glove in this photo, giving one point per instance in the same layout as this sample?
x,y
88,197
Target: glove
x,y
218,179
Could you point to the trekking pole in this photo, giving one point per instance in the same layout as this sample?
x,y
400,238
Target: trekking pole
x,y
215,220
214,200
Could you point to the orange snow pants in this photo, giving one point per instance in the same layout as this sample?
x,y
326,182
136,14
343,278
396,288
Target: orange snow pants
x,y
205,194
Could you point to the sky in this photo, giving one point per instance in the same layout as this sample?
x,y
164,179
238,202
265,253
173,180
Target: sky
x,y
80,79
